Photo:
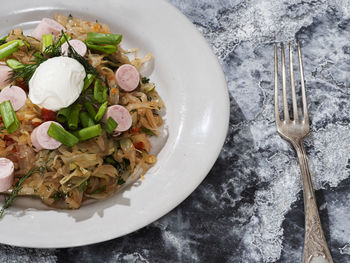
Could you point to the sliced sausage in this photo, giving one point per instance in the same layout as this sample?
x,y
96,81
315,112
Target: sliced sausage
x,y
41,140
6,174
47,26
4,75
121,115
78,46
15,94
127,77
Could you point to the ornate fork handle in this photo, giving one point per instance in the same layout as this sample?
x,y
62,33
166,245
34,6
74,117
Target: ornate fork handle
x,y
315,246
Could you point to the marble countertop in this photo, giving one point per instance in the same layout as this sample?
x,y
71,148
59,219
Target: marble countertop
x,y
250,206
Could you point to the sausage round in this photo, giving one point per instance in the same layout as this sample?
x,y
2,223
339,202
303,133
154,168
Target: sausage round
x,y
121,115
127,77
4,75
78,46
41,140
6,174
47,26
15,95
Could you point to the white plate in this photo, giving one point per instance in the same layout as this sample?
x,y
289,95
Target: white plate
x,y
192,84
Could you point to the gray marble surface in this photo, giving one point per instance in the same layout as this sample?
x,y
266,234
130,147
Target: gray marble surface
x,y
250,206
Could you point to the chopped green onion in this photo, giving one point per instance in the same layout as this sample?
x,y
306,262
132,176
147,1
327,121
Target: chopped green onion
x,y
62,39
61,135
47,40
111,125
90,109
9,117
63,114
14,64
101,112
18,41
8,49
85,119
100,38
73,119
88,80
100,91
108,49
147,131
89,132
149,87
3,40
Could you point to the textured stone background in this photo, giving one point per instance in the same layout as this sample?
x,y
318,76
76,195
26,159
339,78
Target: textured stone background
x,y
250,208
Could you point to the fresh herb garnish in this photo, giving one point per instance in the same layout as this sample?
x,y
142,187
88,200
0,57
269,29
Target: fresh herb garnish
x,y
28,70
99,190
110,160
145,80
83,185
53,50
121,181
58,196
73,54
16,189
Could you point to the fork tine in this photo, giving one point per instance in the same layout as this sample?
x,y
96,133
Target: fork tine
x,y
292,84
303,91
277,115
284,88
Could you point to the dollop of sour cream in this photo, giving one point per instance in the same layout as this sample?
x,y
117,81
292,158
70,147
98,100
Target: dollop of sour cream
x,y
57,83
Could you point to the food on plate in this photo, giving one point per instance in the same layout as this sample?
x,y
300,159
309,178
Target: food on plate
x,y
76,114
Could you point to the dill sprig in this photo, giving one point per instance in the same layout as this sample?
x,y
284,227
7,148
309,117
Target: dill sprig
x,y
28,70
73,54
16,190
53,51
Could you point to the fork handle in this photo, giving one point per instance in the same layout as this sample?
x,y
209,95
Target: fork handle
x,y
315,245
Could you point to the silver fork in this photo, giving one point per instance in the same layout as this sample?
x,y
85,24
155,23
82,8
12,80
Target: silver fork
x,y
295,130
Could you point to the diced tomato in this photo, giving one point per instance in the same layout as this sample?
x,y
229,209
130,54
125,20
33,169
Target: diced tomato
x,y
135,130
22,84
36,124
139,145
8,140
48,115
114,90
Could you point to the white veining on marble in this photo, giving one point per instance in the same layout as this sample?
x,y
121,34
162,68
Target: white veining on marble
x,y
345,249
238,38
238,213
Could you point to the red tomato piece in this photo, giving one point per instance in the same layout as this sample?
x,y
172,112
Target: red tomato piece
x,y
48,115
139,145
